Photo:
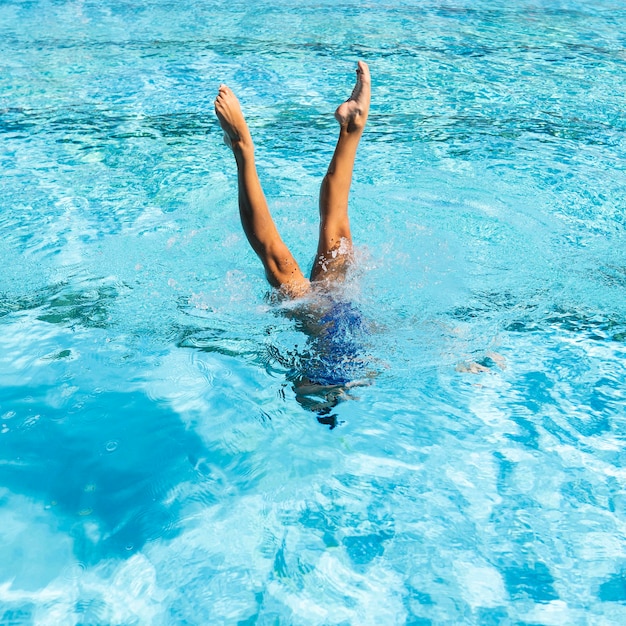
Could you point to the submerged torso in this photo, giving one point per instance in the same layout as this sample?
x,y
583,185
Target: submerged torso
x,y
336,334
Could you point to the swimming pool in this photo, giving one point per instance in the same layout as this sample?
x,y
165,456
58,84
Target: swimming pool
x,y
157,463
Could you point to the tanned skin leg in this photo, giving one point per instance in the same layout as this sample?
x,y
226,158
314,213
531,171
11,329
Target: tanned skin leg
x,y
281,269
335,241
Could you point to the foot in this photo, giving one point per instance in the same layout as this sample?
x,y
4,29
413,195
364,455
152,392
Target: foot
x,y
232,121
352,114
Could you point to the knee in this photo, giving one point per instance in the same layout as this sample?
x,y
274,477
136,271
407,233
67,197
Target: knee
x,y
281,264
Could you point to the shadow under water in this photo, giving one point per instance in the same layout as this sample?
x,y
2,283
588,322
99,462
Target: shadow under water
x,y
110,480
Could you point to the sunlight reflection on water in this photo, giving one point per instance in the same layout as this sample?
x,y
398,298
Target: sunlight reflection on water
x,y
158,462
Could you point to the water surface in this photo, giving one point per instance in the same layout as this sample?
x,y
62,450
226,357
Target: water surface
x,y
157,462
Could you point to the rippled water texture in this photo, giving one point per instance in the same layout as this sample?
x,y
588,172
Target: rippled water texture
x,y
161,461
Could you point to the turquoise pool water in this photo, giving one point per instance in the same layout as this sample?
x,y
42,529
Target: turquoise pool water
x,y
158,464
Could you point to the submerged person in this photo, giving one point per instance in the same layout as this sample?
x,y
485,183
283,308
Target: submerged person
x,y
332,330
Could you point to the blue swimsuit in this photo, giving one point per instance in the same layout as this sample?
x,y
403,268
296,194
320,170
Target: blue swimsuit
x,y
336,350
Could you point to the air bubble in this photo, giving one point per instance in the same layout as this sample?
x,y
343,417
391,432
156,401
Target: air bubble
x,y
74,571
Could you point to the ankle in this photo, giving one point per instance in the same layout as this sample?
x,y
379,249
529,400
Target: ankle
x,y
354,128
242,147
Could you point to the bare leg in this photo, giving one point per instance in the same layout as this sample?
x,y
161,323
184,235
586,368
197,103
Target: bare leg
x,y
335,241
281,269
